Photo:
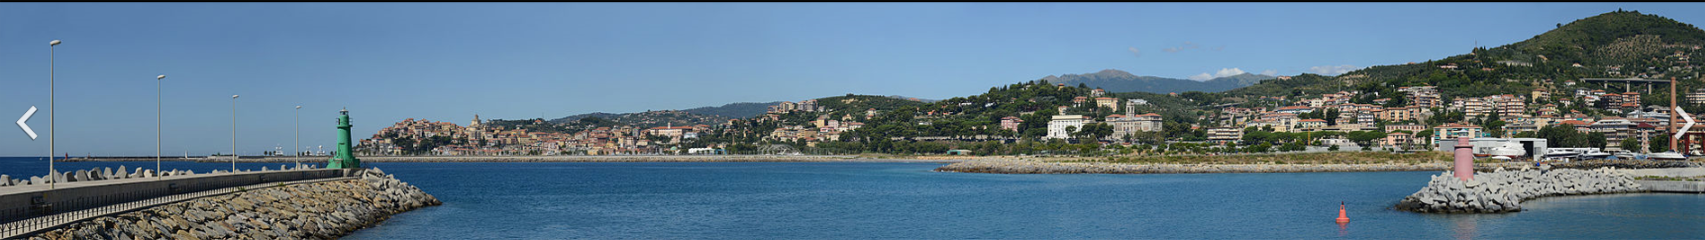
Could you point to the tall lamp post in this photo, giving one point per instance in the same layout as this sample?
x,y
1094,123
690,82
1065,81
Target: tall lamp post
x,y
234,134
158,122
298,150
53,111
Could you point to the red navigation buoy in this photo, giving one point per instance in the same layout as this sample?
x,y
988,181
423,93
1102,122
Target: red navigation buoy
x,y
1341,217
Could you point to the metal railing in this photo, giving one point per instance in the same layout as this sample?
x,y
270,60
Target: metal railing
x,y
19,221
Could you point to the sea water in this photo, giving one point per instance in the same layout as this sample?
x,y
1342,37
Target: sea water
x,y
909,201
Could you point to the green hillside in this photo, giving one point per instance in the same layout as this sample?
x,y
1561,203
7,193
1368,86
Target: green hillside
x,y
1618,44
1121,81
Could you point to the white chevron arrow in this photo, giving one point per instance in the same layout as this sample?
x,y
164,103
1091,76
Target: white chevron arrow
x,y
1685,127
26,127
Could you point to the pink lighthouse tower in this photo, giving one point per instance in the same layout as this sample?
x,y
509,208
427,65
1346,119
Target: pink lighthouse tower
x,y
1464,159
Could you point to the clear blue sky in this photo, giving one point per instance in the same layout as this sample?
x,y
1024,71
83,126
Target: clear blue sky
x,y
448,61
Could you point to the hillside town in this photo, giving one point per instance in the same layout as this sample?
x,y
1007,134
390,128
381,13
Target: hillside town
x,y
1624,112
427,137
1401,127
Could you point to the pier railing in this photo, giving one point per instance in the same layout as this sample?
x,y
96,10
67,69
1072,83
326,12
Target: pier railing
x,y
24,211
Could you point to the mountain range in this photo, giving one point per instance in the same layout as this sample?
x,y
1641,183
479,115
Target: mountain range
x,y
1114,80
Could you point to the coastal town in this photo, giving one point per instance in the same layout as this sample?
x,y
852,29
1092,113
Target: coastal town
x,y
1517,102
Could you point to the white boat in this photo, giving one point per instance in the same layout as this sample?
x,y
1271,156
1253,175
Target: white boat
x,y
1667,156
1501,158
1508,150
1626,155
1562,153
1594,153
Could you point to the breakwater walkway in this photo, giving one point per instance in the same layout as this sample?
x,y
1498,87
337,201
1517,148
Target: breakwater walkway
x,y
558,158
1026,166
321,209
35,204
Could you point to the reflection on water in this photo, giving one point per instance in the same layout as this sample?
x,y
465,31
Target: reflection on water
x,y
1464,227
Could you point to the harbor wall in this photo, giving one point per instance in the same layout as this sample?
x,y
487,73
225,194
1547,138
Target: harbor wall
x,y
318,210
1503,191
21,202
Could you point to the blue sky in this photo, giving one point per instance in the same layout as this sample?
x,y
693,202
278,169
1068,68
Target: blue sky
x,y
448,61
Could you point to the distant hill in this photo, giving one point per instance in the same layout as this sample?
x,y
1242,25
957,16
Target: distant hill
x,y
1120,81
734,110
649,119
698,115
1618,44
577,117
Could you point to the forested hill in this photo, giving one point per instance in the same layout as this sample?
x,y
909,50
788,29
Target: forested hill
x,y
1121,81
734,110
1619,44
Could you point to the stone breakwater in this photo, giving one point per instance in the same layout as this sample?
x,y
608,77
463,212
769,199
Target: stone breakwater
x,y
98,174
1626,164
322,210
1502,191
557,158
1023,166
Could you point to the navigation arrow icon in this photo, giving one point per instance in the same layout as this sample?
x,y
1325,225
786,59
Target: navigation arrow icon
x,y
1684,128
26,127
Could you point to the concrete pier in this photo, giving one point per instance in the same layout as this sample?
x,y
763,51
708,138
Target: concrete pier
x,y
37,206
315,209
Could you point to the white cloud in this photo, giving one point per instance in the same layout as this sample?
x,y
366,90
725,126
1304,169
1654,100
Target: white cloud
x,y
1223,72
1201,77
1333,70
1170,49
1270,72
1227,72
1134,51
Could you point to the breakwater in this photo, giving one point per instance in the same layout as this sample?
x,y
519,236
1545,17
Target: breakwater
x,y
107,173
567,158
1025,166
321,210
1626,164
1503,191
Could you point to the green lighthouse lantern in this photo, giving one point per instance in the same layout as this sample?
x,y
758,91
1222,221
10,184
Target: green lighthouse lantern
x,y
345,157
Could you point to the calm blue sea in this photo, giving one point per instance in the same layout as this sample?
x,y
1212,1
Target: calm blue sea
x,y
908,201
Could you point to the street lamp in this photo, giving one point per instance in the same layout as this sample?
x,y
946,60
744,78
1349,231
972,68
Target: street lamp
x,y
52,111
234,134
298,150
158,122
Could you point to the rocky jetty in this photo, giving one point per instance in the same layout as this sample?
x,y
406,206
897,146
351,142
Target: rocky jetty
x,y
1502,191
1025,166
1626,164
322,210
98,174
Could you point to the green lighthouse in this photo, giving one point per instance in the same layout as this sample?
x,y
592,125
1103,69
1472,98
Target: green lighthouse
x,y
345,157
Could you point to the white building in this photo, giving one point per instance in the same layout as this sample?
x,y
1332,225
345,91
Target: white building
x,y
1057,127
